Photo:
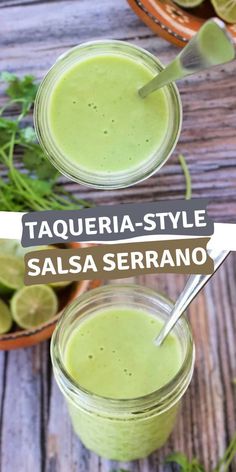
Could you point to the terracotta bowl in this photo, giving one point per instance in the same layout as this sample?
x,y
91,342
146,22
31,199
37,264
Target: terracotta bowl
x,y
172,22
24,338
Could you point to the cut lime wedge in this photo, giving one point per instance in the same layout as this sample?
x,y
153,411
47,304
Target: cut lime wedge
x,y
5,318
11,274
225,9
188,3
31,306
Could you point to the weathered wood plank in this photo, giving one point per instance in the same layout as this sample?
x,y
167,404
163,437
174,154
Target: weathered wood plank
x,y
21,419
64,451
3,368
47,25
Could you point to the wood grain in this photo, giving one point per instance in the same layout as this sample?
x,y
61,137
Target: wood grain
x,y
35,429
208,138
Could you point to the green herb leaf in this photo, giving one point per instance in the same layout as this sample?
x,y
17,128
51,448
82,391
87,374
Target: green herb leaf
x,y
196,466
185,465
180,459
22,89
35,161
7,127
28,135
120,470
41,188
225,462
6,76
38,189
9,199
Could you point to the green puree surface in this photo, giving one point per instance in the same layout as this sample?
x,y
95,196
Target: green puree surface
x,y
97,119
112,354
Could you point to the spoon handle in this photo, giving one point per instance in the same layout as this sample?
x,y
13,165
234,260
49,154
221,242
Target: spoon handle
x,y
194,284
171,73
212,45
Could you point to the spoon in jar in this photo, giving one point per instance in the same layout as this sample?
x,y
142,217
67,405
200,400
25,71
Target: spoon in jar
x,y
193,286
212,45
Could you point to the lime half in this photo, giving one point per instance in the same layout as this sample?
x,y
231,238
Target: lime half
x,y
11,274
5,318
13,248
55,285
59,285
10,247
188,3
31,306
225,9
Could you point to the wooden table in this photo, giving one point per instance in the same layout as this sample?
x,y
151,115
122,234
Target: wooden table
x,y
36,434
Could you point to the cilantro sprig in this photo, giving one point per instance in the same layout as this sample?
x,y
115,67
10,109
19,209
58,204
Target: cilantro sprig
x,y
119,470
193,465
35,186
184,464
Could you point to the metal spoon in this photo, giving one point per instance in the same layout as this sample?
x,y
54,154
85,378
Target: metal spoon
x,y
211,46
193,286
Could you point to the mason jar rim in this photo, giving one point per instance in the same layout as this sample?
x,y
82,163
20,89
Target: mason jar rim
x,y
162,398
68,168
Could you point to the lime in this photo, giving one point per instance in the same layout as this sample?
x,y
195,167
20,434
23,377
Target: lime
x,y
188,3
13,247
9,246
225,9
5,318
55,285
31,306
11,274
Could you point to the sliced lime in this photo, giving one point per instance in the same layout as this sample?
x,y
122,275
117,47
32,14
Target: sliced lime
x,y
225,9
9,246
13,248
5,318
31,306
55,285
188,3
11,274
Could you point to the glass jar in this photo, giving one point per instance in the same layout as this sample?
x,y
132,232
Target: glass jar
x,y
122,429
71,168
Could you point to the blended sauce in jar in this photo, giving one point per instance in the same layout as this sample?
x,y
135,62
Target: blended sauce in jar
x,y
97,119
112,354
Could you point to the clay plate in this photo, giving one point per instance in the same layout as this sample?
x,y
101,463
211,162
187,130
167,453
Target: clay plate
x,y
172,22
